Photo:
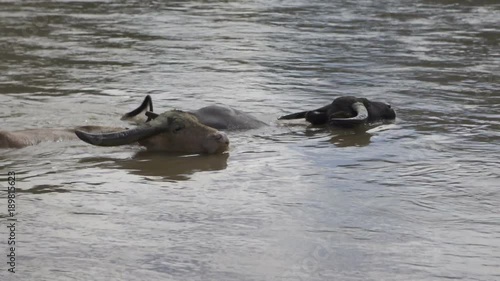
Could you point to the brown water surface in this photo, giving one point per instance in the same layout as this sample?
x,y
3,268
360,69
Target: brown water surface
x,y
414,200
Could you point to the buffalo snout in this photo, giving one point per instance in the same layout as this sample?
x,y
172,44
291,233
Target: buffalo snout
x,y
217,142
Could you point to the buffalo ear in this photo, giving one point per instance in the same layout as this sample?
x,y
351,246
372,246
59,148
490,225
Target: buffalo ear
x,y
147,104
159,120
151,115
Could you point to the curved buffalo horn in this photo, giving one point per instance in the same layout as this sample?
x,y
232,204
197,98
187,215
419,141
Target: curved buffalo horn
x,y
361,116
147,102
300,115
297,115
120,138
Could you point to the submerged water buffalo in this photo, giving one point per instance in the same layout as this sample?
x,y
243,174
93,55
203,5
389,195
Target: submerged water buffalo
x,y
158,132
347,112
172,131
215,116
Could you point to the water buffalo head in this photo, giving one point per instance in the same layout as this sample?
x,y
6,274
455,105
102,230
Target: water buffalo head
x,y
347,112
172,131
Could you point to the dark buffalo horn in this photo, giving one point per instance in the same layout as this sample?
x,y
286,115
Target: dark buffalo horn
x,y
151,115
361,116
298,115
148,102
119,138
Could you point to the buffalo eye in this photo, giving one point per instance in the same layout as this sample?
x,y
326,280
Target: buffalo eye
x,y
178,128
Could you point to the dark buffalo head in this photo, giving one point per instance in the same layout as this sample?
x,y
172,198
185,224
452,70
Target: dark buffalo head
x,y
347,112
172,131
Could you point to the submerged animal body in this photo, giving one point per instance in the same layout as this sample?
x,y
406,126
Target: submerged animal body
x,y
346,111
172,131
225,118
215,116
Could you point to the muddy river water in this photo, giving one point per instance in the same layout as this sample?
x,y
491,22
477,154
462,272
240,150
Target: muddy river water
x,y
417,199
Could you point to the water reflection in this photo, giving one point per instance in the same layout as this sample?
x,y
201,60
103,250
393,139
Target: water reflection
x,y
350,138
167,166
342,137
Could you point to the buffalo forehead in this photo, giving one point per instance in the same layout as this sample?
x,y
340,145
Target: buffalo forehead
x,y
172,116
